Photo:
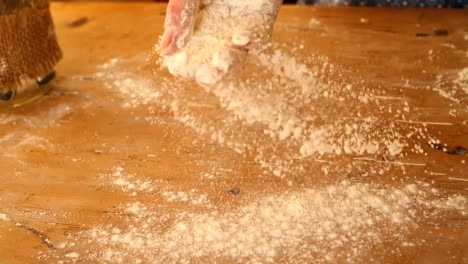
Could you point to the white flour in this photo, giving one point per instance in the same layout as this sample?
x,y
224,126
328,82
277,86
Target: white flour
x,y
260,100
296,227
47,118
291,119
128,182
3,65
462,79
189,197
4,217
14,144
133,185
72,255
290,102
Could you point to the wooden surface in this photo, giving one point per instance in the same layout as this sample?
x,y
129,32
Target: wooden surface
x,y
56,150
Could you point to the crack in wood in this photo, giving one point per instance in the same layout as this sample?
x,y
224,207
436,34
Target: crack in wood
x,y
458,150
42,237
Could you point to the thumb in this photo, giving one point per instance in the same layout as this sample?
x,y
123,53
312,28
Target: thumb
x,y
179,25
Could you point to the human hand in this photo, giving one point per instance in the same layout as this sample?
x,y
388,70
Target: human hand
x,y
204,39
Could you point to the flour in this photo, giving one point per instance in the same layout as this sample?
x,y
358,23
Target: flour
x,y
137,209
448,45
4,217
288,118
3,65
47,118
135,186
127,182
72,255
463,75
364,20
223,30
14,144
313,23
191,197
314,224
135,90
454,89
462,79
290,101
268,104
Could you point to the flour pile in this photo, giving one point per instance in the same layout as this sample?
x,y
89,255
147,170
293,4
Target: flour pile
x,y
341,222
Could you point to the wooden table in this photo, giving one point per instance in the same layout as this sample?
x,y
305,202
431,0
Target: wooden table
x,y
61,155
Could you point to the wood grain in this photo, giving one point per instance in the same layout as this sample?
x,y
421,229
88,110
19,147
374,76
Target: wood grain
x,y
55,150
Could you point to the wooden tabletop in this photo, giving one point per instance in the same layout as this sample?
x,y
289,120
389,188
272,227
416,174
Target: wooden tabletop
x,y
78,165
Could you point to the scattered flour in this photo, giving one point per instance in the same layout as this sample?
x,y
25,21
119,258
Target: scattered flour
x,y
282,115
4,217
278,110
134,185
451,87
191,197
449,45
296,105
462,80
297,226
3,65
47,118
135,90
72,255
130,89
364,20
129,183
14,143
314,23
137,209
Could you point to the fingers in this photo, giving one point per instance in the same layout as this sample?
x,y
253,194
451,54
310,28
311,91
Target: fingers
x,y
223,39
179,25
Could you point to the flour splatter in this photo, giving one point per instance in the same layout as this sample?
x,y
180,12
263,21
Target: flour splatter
x,y
288,119
302,225
3,65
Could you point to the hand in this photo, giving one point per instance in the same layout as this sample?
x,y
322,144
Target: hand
x,y
179,24
203,39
